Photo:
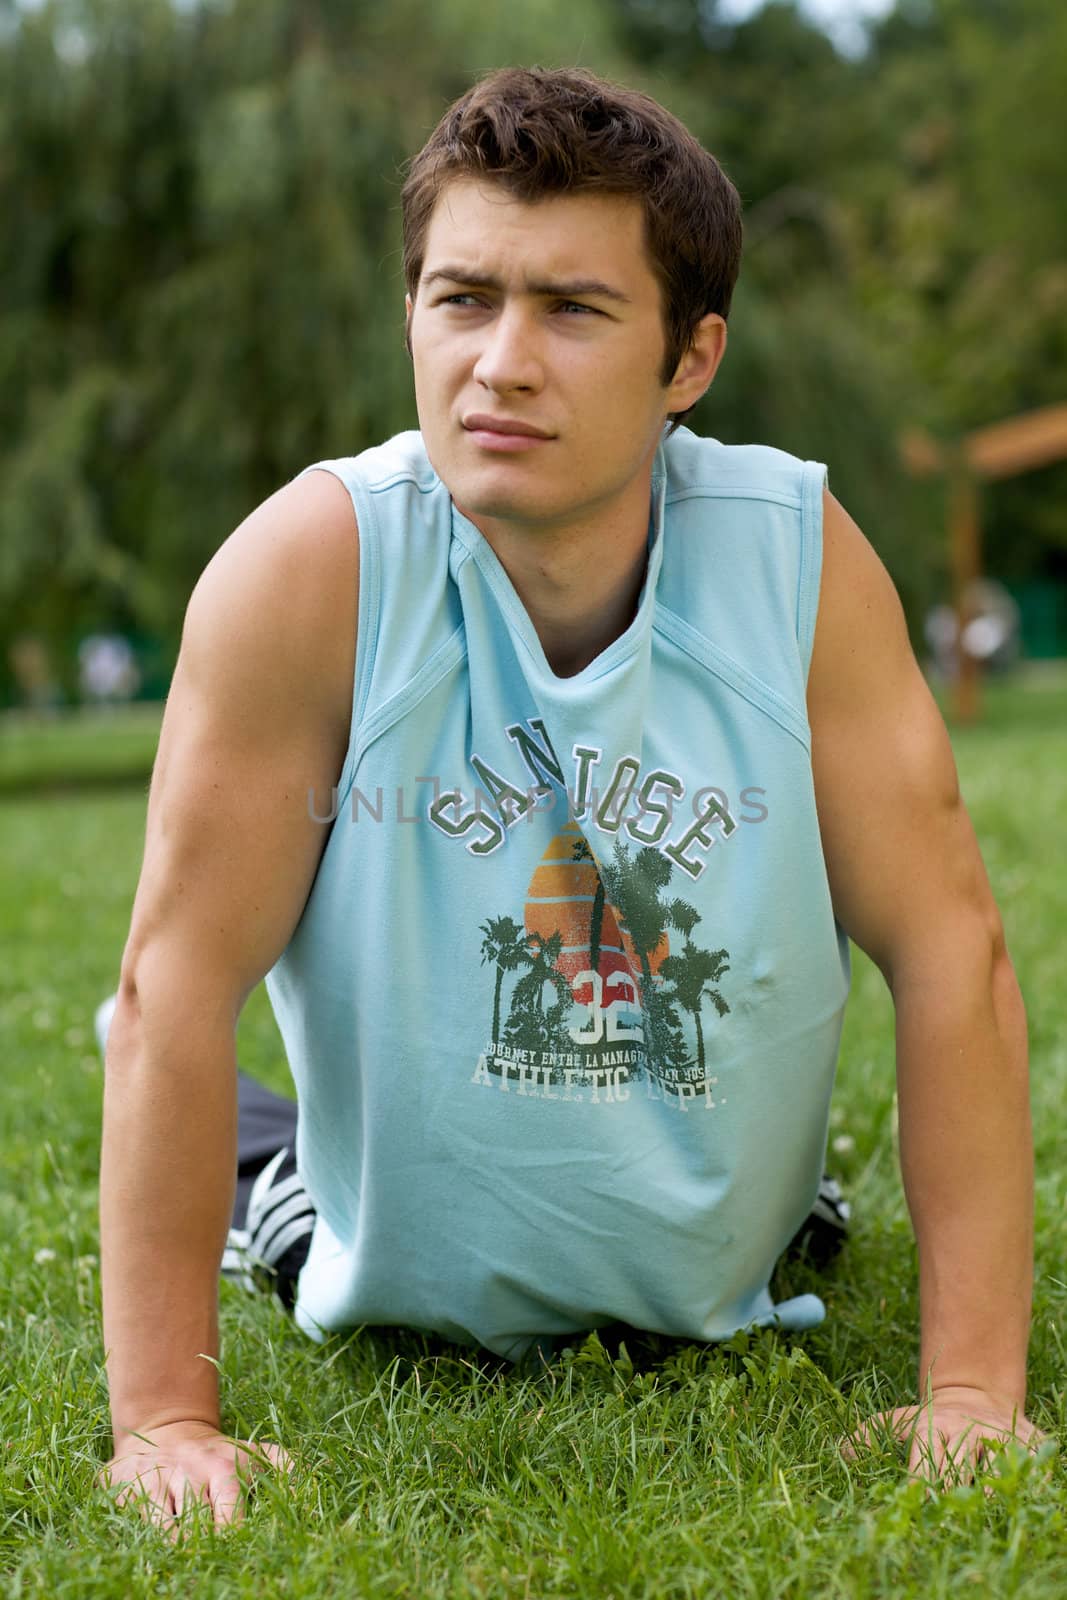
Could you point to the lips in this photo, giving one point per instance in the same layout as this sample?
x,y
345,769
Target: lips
x,y
510,427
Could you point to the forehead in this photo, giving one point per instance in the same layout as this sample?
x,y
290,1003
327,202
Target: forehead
x,y
481,227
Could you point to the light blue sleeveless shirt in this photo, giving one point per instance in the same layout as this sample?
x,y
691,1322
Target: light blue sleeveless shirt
x,y
564,1004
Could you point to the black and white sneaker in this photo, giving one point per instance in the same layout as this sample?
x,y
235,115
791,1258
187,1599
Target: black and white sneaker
x,y
825,1228
269,1251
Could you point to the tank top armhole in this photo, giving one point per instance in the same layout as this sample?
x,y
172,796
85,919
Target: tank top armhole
x,y
813,481
369,610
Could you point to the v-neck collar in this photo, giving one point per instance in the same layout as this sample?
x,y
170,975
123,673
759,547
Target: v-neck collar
x,y
518,617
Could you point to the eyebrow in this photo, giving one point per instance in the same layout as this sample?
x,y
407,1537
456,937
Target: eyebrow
x,y
551,289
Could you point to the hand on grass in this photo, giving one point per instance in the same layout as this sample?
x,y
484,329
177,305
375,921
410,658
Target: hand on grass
x,y
166,1472
952,1436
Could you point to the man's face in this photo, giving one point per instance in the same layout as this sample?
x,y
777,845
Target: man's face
x,y
545,317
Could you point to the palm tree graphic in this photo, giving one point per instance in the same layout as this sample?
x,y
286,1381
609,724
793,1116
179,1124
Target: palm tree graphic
x,y
529,1024
506,944
632,884
691,975
582,852
541,956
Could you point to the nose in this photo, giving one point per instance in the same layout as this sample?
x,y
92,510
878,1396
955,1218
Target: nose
x,y
509,359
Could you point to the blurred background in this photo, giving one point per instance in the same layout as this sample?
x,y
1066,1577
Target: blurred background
x,y
200,285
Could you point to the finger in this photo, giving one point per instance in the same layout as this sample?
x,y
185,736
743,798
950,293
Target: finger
x,y
147,1491
225,1496
187,1494
991,1448
277,1457
989,1453
162,1498
253,1460
883,1428
259,1453
928,1459
169,1520
250,1463
946,1459
190,1496
1025,1433
152,1495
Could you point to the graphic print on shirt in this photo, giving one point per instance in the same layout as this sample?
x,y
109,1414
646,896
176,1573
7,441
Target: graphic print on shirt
x,y
588,995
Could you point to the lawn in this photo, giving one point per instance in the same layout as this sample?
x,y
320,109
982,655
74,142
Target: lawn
x,y
661,1469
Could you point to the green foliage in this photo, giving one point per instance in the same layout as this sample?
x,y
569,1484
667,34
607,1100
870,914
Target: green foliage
x,y
200,251
964,248
199,248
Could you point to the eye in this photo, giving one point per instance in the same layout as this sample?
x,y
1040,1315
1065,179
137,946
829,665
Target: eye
x,y
572,306
460,300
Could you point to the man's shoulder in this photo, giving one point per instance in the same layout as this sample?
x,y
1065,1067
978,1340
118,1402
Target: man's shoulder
x,y
284,587
699,466
401,459
301,534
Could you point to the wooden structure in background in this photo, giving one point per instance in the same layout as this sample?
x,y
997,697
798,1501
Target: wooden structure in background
x,y
1000,451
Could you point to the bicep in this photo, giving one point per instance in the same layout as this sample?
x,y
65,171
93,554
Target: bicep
x,y
256,719
903,863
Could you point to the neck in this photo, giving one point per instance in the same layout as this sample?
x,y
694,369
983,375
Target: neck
x,y
579,583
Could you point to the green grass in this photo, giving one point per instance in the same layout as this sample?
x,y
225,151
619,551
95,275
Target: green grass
x,y
661,1469
86,749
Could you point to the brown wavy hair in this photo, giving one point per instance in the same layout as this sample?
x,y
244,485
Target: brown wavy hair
x,y
540,132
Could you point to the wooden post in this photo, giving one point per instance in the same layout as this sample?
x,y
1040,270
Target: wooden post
x,y
999,451
966,561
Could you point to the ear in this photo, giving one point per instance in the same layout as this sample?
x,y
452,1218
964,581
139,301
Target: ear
x,y
409,306
699,363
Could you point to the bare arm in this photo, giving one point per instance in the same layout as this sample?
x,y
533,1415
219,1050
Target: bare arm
x,y
909,886
258,713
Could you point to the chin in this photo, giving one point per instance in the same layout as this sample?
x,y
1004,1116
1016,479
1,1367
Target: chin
x,y
478,497
501,508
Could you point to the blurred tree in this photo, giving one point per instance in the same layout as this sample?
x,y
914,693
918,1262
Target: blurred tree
x,y
963,257
200,252
199,247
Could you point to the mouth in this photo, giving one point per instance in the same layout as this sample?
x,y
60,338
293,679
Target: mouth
x,y
504,433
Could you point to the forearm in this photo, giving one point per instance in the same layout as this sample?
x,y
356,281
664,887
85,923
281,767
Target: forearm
x,y
966,1157
168,1166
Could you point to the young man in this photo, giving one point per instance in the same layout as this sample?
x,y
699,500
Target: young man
x,y
553,870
